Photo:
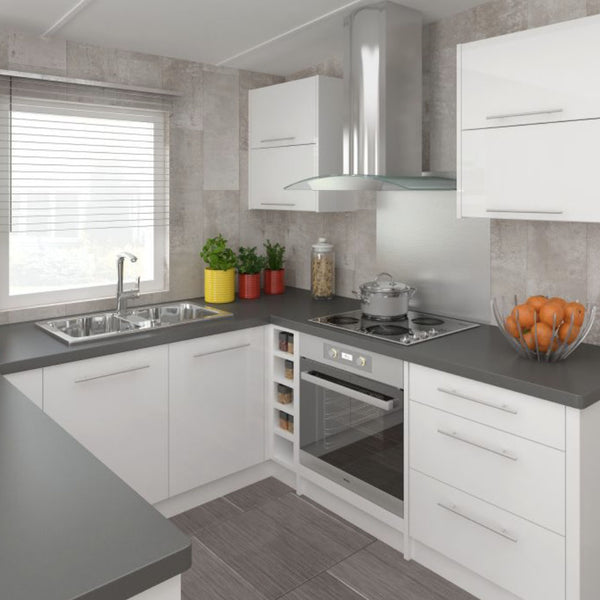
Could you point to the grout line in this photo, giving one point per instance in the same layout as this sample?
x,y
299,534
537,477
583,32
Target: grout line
x,y
233,504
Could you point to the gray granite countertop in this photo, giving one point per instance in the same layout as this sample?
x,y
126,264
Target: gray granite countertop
x,y
481,354
69,527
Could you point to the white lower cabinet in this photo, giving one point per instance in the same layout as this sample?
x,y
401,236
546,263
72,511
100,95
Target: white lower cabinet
x,y
117,407
523,558
217,414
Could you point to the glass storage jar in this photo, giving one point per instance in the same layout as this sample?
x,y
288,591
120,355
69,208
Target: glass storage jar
x,y
322,270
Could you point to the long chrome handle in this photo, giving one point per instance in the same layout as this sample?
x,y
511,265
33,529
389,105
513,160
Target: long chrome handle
x,y
499,451
498,530
502,407
104,375
522,211
219,351
277,204
281,139
550,111
351,393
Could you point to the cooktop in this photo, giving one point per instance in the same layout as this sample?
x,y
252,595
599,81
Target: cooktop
x,y
411,329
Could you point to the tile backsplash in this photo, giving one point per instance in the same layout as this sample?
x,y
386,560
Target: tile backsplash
x,y
209,157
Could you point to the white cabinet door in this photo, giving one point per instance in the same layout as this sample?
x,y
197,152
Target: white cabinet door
x,y
216,407
29,383
117,407
535,76
271,169
544,172
283,114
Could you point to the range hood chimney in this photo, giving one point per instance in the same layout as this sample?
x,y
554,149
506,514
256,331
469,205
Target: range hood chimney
x,y
383,105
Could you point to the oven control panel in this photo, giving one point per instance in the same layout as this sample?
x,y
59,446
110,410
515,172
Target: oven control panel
x,y
347,356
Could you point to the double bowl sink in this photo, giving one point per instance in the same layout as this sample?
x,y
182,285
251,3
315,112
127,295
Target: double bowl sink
x,y
95,326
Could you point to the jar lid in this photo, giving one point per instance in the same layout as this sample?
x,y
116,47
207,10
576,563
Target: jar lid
x,y
384,282
322,245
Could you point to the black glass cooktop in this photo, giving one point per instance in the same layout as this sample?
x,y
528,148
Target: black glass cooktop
x,y
415,327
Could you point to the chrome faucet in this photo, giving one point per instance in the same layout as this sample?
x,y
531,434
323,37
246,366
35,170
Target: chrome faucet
x,y
124,295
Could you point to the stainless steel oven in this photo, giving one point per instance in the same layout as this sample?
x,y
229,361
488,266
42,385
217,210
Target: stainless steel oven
x,y
351,420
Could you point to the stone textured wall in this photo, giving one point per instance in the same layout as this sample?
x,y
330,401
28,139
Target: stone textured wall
x,y
208,153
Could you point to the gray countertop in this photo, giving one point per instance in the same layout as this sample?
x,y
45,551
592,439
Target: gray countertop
x,y
481,354
70,528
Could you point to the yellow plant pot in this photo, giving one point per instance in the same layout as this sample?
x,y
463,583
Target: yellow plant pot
x,y
219,286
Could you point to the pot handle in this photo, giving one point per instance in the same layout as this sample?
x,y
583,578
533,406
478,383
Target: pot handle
x,y
411,292
360,296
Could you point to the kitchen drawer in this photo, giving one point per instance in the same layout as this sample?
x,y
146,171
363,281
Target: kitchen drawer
x,y
526,416
518,475
523,558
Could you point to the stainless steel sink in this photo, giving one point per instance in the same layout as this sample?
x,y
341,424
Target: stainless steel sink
x,y
83,328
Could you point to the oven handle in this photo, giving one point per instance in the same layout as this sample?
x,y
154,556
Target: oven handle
x,y
342,389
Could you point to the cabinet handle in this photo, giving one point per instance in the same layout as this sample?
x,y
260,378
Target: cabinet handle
x,y
277,204
499,451
281,139
550,111
502,407
94,377
498,530
518,210
219,351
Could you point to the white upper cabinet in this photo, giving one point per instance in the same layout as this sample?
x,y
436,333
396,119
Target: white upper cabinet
x,y
285,114
529,124
535,76
295,132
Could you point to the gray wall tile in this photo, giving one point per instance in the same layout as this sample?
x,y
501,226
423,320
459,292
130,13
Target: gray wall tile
x,y
593,7
545,12
32,53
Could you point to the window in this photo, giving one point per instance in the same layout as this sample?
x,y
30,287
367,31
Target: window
x,y
84,175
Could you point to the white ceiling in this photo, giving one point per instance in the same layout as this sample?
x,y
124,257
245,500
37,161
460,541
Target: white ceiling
x,y
273,36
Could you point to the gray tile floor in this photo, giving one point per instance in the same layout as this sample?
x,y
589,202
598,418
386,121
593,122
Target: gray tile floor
x,y
264,542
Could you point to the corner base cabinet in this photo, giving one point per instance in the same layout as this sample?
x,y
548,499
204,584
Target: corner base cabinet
x,y
216,424
117,407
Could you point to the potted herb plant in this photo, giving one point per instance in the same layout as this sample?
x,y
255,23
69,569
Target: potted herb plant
x,y
249,266
274,271
219,275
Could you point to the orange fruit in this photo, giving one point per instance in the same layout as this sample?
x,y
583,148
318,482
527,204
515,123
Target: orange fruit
x,y
559,300
552,313
529,340
525,315
511,326
543,333
576,311
537,302
563,332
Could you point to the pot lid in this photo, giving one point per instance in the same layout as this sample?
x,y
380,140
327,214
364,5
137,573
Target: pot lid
x,y
384,282
322,245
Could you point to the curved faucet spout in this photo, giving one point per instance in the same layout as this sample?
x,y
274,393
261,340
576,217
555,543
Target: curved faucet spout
x,y
124,255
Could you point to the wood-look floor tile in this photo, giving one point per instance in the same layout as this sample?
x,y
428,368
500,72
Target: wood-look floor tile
x,y
269,556
205,515
258,493
323,587
419,573
209,578
316,528
377,579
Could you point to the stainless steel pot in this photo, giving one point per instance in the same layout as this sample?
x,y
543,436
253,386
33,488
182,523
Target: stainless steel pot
x,y
384,298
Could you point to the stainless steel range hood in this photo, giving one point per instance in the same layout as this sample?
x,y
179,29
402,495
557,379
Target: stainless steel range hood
x,y
383,105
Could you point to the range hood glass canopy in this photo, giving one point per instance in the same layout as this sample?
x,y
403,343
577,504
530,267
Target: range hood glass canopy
x,y
377,183
382,141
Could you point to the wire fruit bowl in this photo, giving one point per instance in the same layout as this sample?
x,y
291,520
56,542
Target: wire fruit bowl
x,y
557,349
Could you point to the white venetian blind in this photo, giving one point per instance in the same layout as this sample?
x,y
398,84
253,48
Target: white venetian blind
x,y
78,156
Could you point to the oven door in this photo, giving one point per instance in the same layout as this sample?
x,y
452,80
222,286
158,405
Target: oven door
x,y
352,432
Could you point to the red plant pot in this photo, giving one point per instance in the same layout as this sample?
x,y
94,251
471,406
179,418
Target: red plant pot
x,y
249,286
274,281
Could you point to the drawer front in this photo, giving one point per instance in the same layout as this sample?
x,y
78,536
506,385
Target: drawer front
x,y
537,76
527,560
515,474
536,172
526,416
284,114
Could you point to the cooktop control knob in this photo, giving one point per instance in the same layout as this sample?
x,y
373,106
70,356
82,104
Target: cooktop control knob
x,y
405,339
433,331
332,352
361,361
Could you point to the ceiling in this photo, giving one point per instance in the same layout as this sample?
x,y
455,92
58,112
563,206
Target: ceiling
x,y
272,36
